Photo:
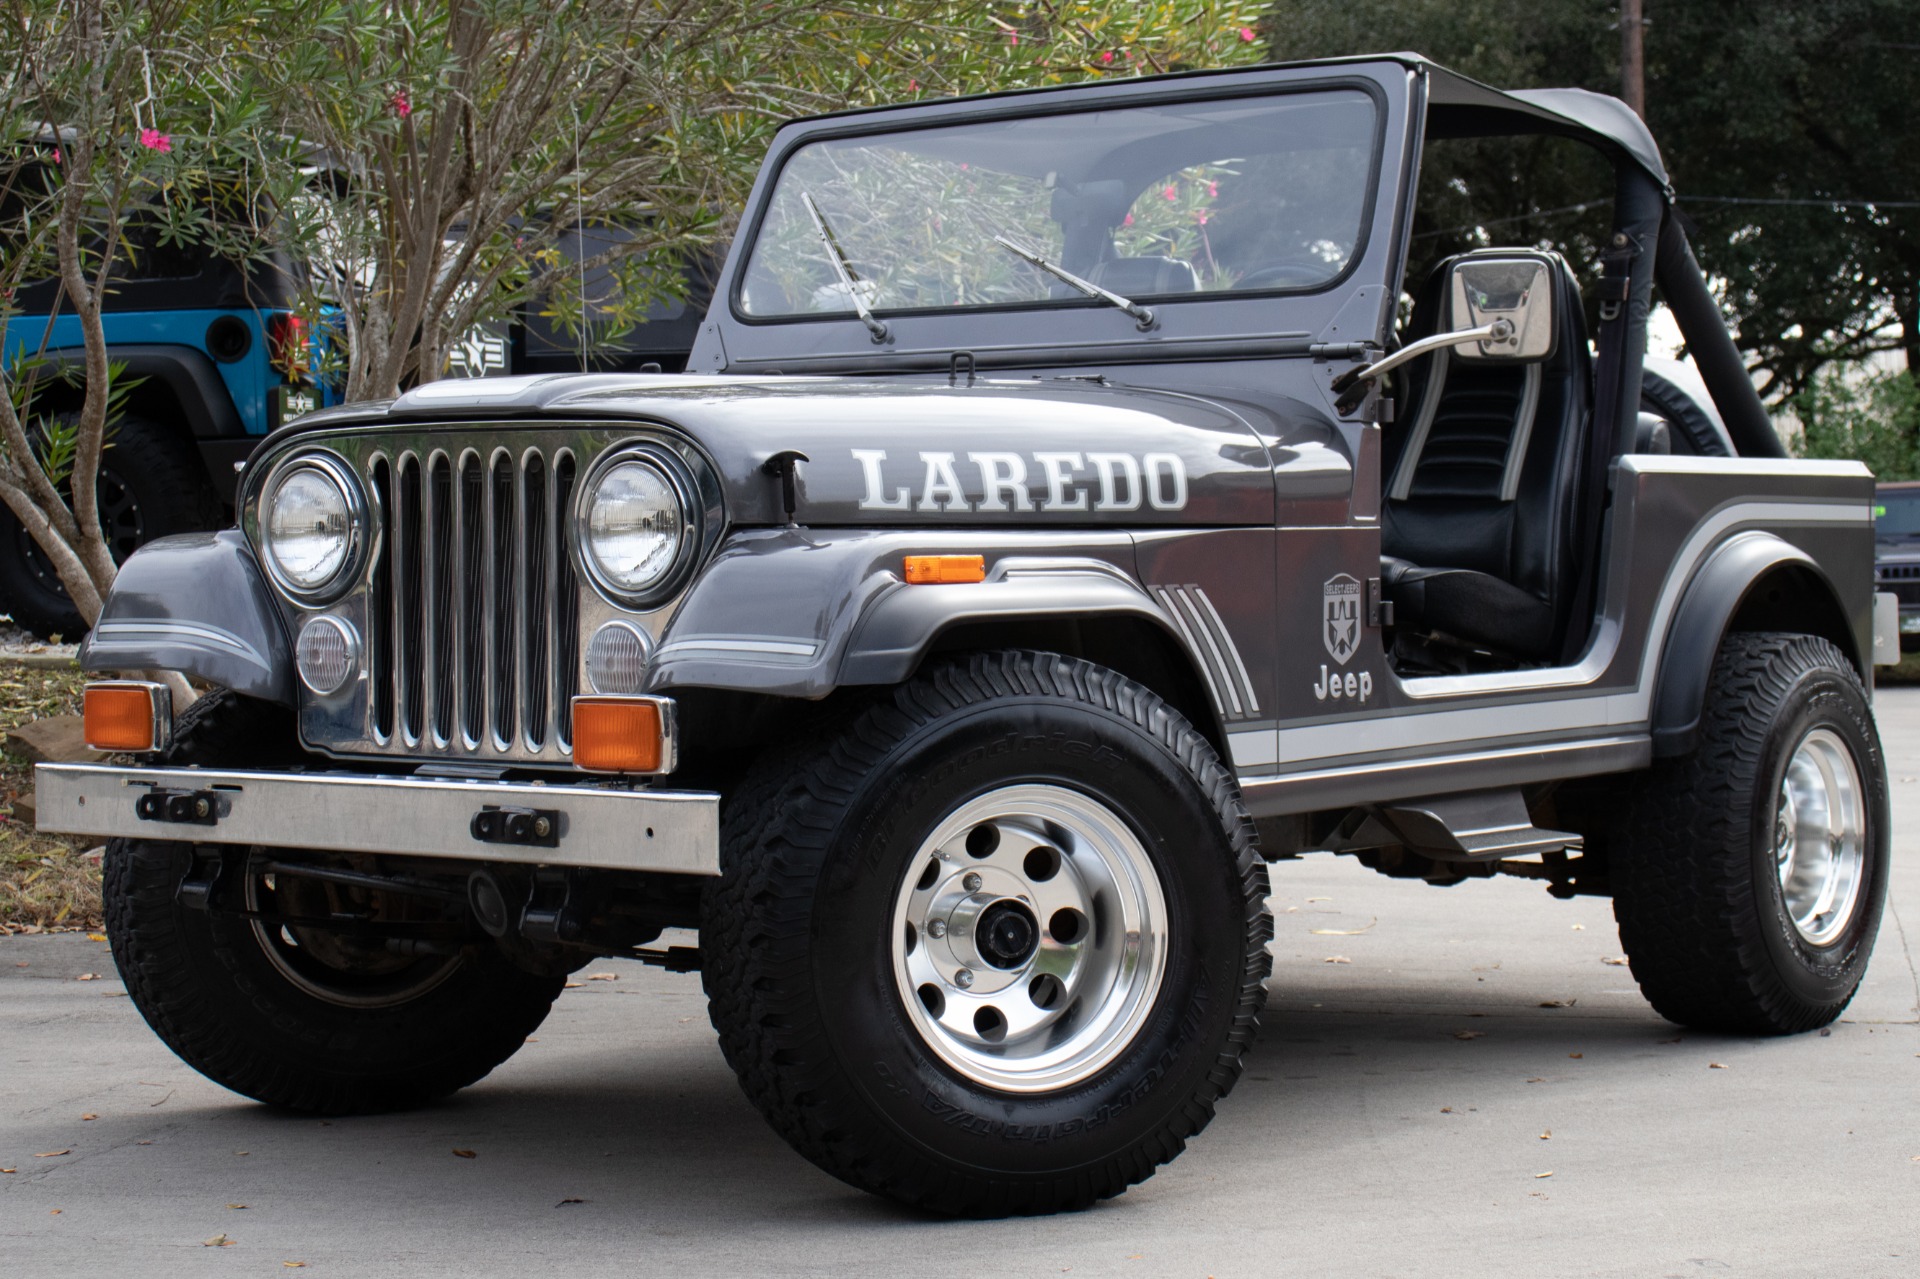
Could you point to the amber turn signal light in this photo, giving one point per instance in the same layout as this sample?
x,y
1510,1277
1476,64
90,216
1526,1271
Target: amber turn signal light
x,y
940,570
623,734
127,715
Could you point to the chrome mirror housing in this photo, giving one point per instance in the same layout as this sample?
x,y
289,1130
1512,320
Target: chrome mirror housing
x,y
1482,292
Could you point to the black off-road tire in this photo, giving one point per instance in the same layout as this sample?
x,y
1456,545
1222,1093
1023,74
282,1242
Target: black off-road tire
x,y
206,986
152,484
796,937
1699,903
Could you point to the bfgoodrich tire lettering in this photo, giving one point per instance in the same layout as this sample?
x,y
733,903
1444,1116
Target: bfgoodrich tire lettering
x,y
212,987
799,966
1697,854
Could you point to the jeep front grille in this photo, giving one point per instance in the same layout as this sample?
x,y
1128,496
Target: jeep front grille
x,y
472,610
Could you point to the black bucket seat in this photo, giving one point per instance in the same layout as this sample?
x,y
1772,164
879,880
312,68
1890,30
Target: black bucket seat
x,y
1483,483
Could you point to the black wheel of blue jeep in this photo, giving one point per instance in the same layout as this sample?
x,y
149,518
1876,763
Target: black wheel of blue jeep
x,y
994,942
328,1020
1749,876
152,484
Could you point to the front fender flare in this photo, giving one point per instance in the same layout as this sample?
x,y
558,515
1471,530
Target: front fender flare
x,y
197,604
1707,610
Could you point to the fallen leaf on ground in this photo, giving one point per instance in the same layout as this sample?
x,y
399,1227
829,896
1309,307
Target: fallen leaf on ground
x,y
294,1265
532,1040
54,1154
9,1170
1536,1080
242,1153
1319,899
88,977
1547,1135
1469,1034
564,1202
1446,1110
236,1206
603,976
1576,1056
1291,910
143,1143
218,1241
88,1116
163,1101
573,985
1716,1065
467,1154
1615,961
96,936
1336,959
54,1212
1579,928
1558,1003
1541,1175
1344,932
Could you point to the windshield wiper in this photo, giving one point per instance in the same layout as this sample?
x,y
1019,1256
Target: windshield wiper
x,y
1143,316
875,326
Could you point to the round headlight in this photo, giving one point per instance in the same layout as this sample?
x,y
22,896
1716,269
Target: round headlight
x,y
308,522
635,527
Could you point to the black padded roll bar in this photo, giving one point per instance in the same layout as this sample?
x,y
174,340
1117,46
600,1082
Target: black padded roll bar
x,y
1684,289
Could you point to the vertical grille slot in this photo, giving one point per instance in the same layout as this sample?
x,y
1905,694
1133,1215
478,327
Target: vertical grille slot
x,y
565,603
409,599
439,598
470,582
503,573
537,589
380,619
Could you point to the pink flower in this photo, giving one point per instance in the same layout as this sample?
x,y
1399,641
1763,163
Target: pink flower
x,y
1129,221
402,104
1246,33
1172,193
56,155
1013,37
154,140
1200,216
1106,59
1213,188
913,86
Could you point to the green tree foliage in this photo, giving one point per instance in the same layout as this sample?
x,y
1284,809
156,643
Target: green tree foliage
x,y
1774,118
1875,419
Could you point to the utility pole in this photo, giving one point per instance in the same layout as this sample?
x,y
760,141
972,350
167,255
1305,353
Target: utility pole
x,y
1633,57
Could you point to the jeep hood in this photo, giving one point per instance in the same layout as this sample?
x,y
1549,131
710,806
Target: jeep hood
x,y
891,452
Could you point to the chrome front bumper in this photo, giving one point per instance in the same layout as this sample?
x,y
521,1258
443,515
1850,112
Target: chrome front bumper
x,y
522,822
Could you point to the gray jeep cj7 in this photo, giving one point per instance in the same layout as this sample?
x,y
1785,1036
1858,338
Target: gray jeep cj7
x,y
1059,520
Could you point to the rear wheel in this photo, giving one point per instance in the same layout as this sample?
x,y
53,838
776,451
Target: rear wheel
x,y
1749,877
265,996
151,484
995,943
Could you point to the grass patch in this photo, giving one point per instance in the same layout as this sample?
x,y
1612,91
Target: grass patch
x,y
46,882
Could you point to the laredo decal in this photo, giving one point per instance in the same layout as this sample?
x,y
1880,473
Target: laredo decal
x,y
1053,482
1340,617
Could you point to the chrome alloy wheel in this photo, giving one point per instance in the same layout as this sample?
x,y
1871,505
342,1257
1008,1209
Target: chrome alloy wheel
x,y
1820,837
1030,938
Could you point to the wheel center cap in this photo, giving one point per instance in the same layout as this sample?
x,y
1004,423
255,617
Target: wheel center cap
x,y
1008,934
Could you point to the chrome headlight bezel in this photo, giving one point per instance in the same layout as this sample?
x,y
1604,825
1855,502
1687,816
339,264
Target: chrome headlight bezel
x,y
679,480
359,526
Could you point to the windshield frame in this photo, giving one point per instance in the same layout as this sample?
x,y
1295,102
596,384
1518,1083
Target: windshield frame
x,y
1023,106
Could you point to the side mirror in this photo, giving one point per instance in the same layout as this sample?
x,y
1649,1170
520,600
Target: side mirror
x,y
1484,291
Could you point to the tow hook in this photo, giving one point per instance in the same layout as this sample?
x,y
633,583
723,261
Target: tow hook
x,y
185,807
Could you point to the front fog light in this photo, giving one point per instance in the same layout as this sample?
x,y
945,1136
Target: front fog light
x,y
617,658
327,654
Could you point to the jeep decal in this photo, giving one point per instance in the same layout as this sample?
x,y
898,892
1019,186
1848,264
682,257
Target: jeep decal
x,y
1055,481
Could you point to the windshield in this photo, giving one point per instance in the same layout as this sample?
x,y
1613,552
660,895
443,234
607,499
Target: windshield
x,y
1896,513
1223,196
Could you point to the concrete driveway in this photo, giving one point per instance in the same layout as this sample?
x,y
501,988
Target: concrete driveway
x,y
1448,1082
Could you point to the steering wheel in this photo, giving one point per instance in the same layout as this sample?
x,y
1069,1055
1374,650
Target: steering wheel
x,y
1283,275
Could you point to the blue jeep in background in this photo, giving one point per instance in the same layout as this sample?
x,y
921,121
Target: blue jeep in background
x,y
216,358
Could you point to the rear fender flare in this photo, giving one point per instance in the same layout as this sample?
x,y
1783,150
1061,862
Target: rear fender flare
x,y
1724,588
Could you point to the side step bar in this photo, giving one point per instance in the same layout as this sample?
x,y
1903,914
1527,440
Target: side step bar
x,y
1486,826
522,822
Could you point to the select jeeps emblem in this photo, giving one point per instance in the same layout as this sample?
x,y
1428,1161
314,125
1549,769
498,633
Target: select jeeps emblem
x,y
1340,617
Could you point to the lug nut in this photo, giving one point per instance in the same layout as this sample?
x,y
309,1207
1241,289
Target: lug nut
x,y
937,928
964,978
971,883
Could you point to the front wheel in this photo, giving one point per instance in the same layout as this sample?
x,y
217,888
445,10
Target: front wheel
x,y
996,944
1749,876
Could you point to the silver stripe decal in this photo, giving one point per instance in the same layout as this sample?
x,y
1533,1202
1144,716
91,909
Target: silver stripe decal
x,y
1179,620
149,631
1219,663
1233,651
1398,730
1251,747
717,644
